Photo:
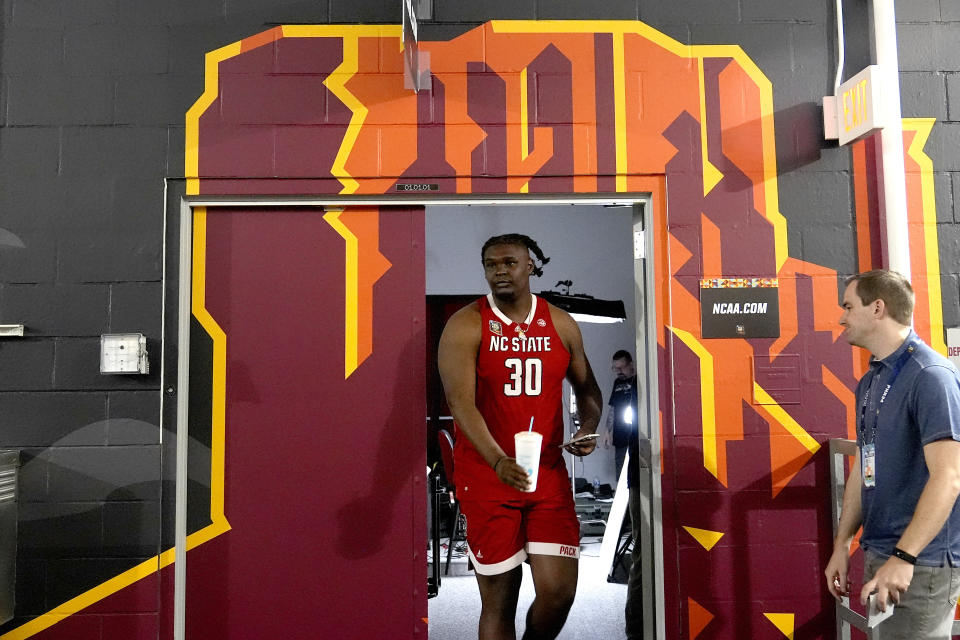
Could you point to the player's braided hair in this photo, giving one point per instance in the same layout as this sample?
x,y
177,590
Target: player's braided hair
x,y
520,240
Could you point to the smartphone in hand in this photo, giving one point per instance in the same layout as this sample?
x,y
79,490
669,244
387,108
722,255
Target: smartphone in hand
x,y
589,436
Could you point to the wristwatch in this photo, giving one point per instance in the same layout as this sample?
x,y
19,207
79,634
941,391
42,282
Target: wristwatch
x,y
903,555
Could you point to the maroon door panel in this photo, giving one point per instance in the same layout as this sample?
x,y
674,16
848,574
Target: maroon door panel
x,y
323,434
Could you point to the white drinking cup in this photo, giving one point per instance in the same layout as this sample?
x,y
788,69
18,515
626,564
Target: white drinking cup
x,y
527,447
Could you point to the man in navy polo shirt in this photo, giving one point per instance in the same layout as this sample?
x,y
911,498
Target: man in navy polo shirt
x,y
903,487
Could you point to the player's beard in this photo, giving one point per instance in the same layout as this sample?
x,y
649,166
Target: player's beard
x,y
508,296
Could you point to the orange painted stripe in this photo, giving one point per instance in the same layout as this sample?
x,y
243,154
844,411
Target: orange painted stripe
x,y
864,218
861,205
262,38
365,225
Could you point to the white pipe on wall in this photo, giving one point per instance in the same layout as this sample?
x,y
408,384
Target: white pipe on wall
x,y
893,189
840,49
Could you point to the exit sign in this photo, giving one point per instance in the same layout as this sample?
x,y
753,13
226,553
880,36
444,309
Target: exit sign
x,y
859,106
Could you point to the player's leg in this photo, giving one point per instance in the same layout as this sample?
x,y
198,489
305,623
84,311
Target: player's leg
x,y
495,545
498,599
553,546
555,581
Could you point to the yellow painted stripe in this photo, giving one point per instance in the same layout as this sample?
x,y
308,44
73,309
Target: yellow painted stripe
x,y
615,27
711,175
219,411
218,445
768,141
337,83
211,86
351,293
524,117
342,30
191,160
111,586
923,126
785,419
84,600
620,108
703,122
220,524
524,124
206,534
708,409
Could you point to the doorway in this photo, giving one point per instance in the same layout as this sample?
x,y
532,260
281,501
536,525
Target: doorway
x,y
593,250
242,228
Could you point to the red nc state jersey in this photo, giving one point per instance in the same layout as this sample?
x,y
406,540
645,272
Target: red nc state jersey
x,y
520,372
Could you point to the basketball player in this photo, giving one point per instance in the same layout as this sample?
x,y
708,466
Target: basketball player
x,y
502,360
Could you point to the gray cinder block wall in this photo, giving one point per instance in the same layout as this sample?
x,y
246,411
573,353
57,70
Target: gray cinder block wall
x,y
92,102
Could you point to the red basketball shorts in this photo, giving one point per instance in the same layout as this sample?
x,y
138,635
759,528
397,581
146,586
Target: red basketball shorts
x,y
501,534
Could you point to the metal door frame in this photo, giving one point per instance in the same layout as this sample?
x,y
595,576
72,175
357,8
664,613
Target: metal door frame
x,y
653,602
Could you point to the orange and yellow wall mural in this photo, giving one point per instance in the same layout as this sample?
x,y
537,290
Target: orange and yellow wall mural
x,y
606,107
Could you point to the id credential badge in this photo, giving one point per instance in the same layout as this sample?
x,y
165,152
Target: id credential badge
x,y
868,465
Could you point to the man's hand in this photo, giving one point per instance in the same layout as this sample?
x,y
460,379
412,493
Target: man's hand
x,y
606,439
837,577
583,448
892,578
511,473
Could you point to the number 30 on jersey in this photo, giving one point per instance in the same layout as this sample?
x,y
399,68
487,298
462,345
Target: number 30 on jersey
x,y
526,377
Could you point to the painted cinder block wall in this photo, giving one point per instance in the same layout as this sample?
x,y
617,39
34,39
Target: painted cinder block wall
x,y
93,102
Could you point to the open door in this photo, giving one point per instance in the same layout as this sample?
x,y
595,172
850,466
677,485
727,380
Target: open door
x,y
301,474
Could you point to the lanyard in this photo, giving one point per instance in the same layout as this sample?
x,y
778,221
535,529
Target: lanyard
x,y
897,366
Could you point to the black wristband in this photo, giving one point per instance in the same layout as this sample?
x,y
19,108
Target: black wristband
x,y
903,555
497,463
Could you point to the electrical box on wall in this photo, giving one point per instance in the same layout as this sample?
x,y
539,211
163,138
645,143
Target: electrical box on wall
x,y
123,353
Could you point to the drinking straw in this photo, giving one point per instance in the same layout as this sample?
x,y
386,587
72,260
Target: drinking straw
x,y
531,424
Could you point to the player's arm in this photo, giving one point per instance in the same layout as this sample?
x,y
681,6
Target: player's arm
x,y
457,362
582,380
851,515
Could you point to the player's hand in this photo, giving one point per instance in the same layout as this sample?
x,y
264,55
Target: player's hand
x,y
837,573
892,579
584,448
512,474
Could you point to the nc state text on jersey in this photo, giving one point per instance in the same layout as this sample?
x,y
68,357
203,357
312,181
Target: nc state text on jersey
x,y
522,345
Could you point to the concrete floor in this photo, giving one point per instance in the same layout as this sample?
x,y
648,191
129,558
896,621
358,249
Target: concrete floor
x,y
597,612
